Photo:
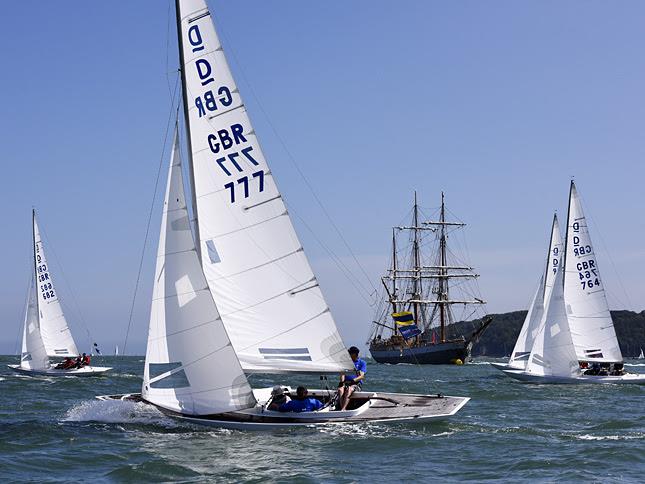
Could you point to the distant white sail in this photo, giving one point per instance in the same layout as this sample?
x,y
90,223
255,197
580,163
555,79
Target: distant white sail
x,y
190,366
522,350
116,350
553,353
260,278
55,333
592,328
535,315
34,354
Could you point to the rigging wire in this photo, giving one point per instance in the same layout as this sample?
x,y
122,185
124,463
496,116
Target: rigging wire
x,y
77,308
152,205
611,260
297,167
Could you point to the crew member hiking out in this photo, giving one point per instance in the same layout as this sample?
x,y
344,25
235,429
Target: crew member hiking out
x,y
350,383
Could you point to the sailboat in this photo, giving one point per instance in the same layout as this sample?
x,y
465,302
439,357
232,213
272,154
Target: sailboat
x,y
532,323
415,322
577,342
45,330
116,350
233,291
641,355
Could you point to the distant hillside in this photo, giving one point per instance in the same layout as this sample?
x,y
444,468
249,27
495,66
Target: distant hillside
x,y
499,338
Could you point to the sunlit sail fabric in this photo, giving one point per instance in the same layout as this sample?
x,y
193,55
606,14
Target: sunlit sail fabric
x,y
522,350
260,278
553,352
191,366
592,328
33,355
535,315
55,333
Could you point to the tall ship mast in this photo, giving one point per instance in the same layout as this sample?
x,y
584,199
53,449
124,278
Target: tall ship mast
x,y
428,289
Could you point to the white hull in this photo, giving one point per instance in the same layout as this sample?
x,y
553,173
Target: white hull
x,y
505,366
377,407
628,378
84,371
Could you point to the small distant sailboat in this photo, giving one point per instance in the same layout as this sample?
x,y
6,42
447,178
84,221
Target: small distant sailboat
x,y
45,332
116,350
239,296
577,329
533,321
641,356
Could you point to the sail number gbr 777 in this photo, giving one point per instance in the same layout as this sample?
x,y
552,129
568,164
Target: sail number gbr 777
x,y
225,142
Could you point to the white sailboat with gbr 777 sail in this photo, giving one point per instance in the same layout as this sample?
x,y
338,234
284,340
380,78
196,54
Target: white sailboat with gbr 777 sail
x,y
237,295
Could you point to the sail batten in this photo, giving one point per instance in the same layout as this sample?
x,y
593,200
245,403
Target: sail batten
x,y
251,256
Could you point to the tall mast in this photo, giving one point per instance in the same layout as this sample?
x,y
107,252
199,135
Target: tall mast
x,y
180,43
549,255
563,262
417,262
33,237
442,280
393,300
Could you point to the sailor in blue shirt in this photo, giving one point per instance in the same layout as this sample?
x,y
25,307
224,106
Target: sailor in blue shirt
x,y
350,383
302,403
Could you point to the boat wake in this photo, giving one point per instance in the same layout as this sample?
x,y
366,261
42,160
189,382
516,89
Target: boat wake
x,y
117,411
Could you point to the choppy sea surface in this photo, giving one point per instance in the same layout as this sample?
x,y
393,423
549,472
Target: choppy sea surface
x,y
52,429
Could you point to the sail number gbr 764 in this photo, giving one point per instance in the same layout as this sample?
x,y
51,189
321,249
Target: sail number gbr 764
x,y
587,270
225,142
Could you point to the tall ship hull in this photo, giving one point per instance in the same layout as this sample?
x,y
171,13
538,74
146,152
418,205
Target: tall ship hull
x,y
426,354
416,320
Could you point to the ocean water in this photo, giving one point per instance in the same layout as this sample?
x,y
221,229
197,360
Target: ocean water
x,y
54,430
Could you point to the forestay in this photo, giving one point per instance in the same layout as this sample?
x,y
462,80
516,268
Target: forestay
x,y
33,355
260,278
535,314
553,352
55,333
190,365
592,328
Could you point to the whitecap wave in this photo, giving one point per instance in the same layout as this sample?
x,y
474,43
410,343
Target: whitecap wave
x,y
116,411
634,364
609,437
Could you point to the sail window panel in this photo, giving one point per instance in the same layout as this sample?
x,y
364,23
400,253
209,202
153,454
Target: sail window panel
x,y
173,380
279,322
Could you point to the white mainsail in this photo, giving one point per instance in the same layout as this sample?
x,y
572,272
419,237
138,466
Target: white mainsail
x,y
534,317
55,333
34,354
553,353
191,366
592,328
267,294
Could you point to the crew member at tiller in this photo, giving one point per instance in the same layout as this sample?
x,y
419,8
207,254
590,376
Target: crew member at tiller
x,y
350,383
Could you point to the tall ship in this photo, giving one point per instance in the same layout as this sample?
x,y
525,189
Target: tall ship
x,y
430,295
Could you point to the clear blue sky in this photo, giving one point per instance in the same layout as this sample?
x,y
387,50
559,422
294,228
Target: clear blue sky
x,y
497,103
